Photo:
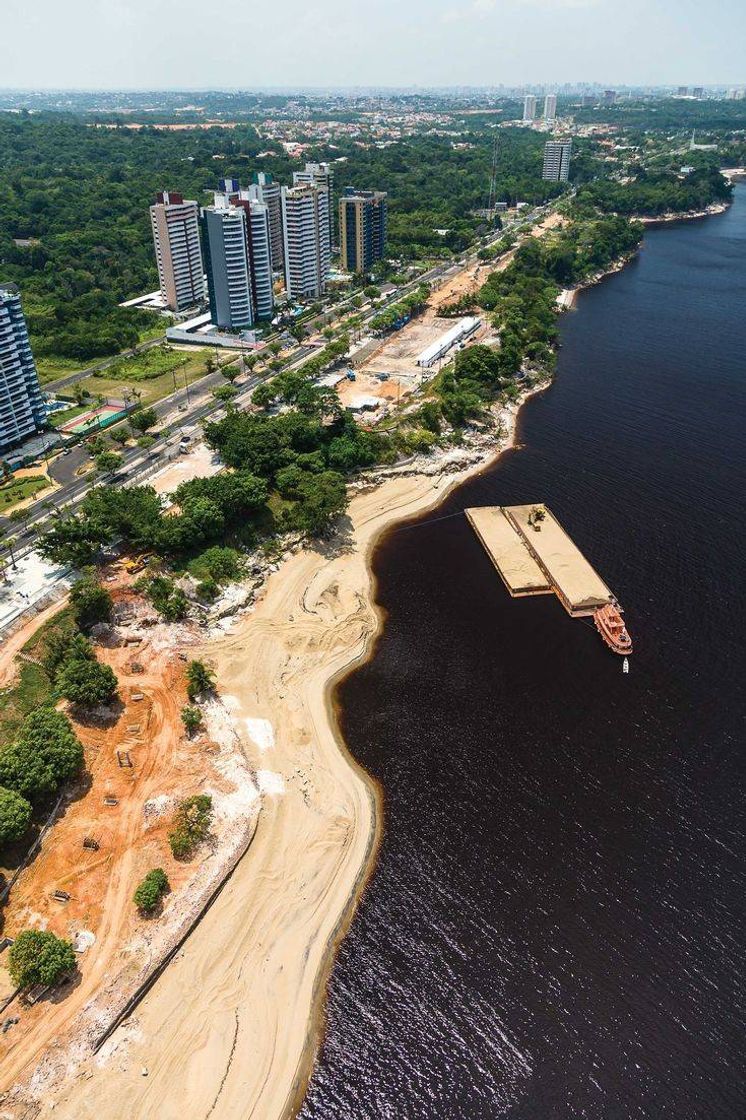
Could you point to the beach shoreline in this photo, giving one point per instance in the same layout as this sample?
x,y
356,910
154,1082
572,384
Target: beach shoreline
x,y
266,949
268,945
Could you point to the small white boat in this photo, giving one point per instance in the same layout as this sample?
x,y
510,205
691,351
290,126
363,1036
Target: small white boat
x,y
625,665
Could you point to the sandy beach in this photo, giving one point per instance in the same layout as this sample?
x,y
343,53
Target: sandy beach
x,y
232,1027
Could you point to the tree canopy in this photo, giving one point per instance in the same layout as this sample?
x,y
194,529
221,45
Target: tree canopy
x,y
40,957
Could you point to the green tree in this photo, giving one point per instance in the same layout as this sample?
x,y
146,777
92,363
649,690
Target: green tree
x,y
74,541
45,753
108,461
322,498
191,825
39,957
200,678
143,419
91,602
15,815
87,682
191,717
148,895
225,393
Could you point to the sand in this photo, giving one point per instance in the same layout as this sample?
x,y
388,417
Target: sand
x,y
232,1027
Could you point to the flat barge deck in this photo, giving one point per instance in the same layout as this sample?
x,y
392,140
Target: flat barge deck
x,y
535,556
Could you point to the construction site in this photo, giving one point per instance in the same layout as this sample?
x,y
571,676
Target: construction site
x,y
109,829
386,370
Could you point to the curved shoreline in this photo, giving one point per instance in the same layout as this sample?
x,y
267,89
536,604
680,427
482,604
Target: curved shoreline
x,y
317,1018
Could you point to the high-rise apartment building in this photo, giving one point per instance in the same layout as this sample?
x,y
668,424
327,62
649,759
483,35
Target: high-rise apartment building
x,y
557,160
529,107
362,228
265,190
319,175
259,248
227,260
22,410
550,107
175,224
609,97
305,220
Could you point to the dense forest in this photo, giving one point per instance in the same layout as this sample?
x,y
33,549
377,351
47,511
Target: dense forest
x,y
667,113
659,193
76,197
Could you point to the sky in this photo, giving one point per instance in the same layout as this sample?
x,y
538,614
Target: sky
x,y
193,44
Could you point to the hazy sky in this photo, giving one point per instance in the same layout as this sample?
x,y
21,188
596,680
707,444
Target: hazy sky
x,y
245,43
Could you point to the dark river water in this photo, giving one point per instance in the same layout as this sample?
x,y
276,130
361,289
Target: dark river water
x,y
555,926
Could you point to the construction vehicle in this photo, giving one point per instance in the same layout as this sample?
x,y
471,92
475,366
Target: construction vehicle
x,y
136,564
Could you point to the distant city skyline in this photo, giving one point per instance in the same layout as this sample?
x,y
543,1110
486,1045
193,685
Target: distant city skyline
x,y
93,44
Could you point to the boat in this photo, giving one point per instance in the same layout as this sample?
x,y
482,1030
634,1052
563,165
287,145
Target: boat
x,y
610,625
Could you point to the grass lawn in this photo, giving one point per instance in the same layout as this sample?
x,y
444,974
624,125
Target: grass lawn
x,y
18,489
65,414
52,367
49,369
152,374
33,686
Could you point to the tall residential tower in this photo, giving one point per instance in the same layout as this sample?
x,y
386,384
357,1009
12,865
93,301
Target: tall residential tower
x,y
22,411
557,160
362,228
319,175
175,225
550,107
305,219
265,190
529,107
227,259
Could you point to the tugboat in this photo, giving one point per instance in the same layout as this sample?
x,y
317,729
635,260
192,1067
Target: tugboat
x,y
610,625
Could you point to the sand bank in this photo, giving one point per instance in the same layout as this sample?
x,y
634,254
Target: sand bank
x,y
232,1026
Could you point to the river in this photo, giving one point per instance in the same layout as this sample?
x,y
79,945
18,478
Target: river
x,y
555,925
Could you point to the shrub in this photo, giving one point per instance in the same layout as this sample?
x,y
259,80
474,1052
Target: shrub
x,y
218,563
199,679
168,599
15,815
151,890
191,718
63,642
207,590
87,682
39,957
191,825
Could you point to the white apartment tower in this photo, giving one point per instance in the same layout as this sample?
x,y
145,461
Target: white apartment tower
x,y
557,160
319,175
22,410
529,107
227,259
175,225
550,107
259,248
305,218
265,190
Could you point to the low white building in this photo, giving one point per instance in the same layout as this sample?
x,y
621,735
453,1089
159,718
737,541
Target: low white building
x,y
447,341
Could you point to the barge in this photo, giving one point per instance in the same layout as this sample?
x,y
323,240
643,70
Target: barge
x,y
535,556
